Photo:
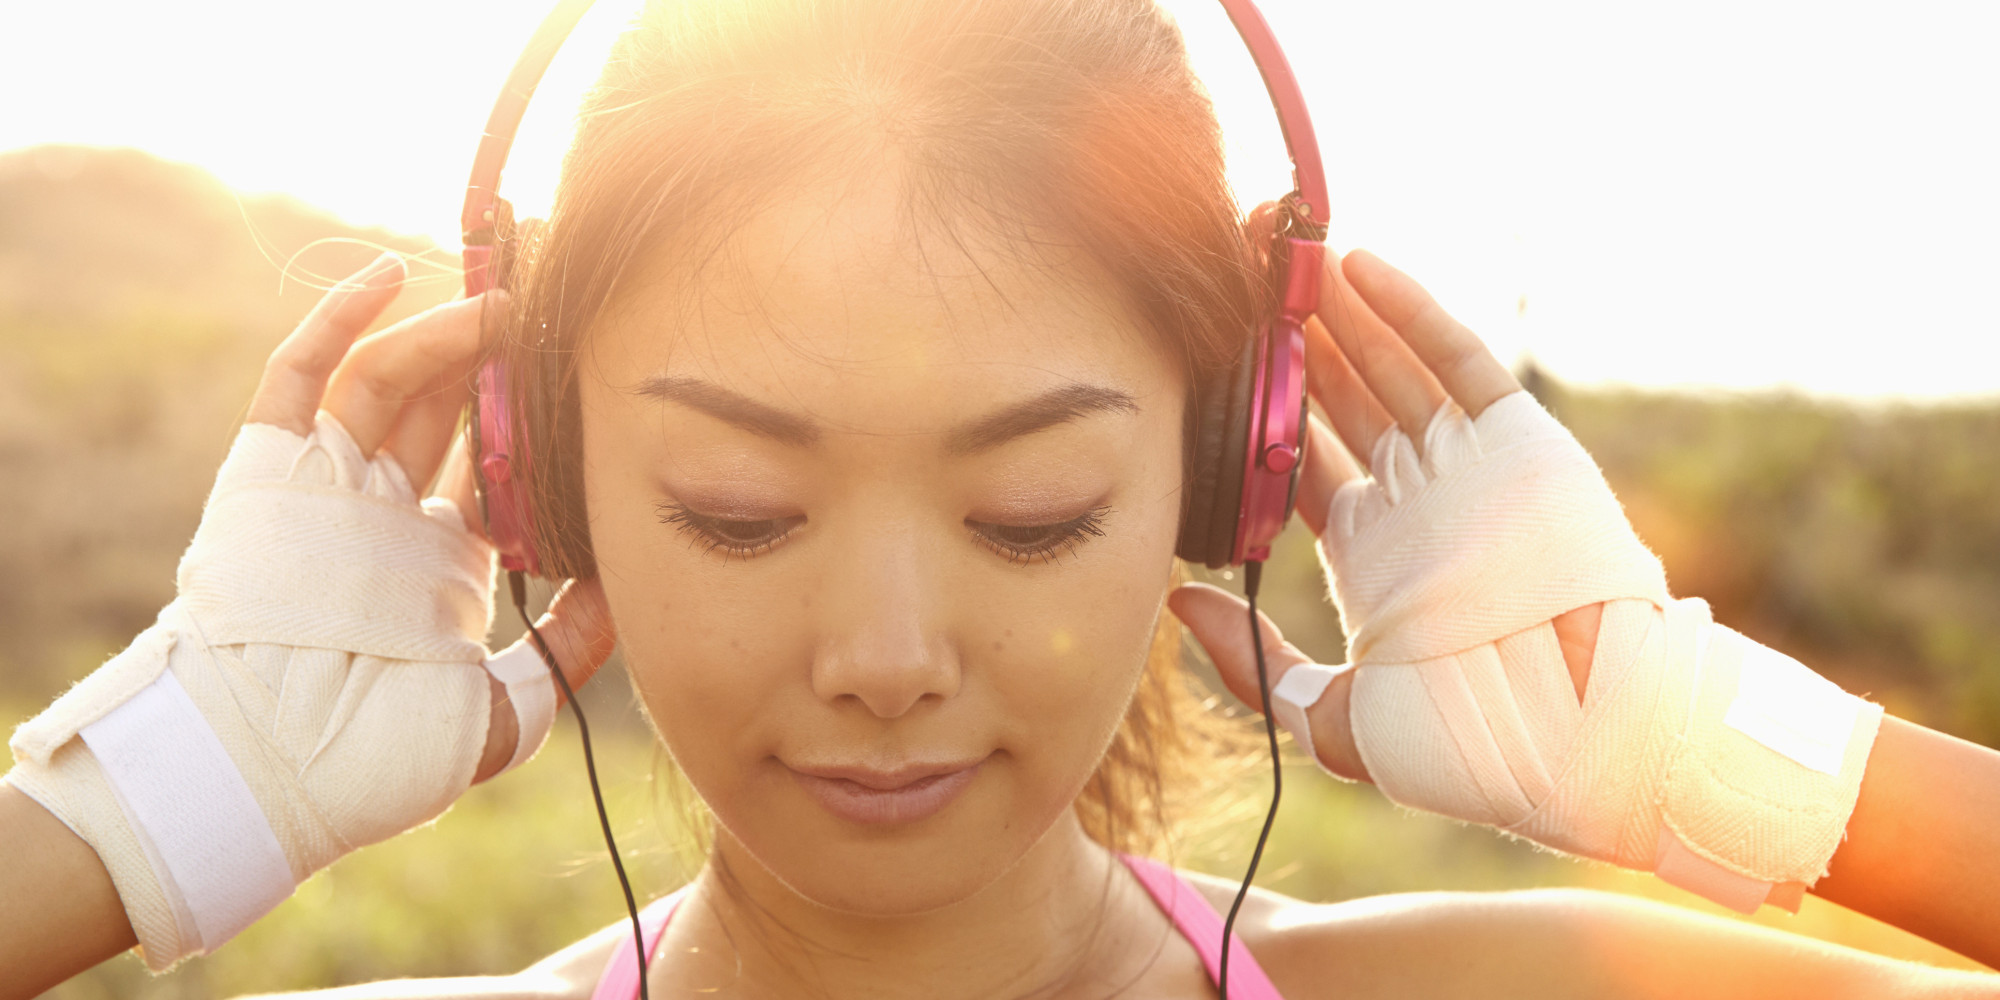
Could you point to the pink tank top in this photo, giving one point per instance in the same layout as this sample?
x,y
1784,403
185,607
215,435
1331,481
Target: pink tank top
x,y
1183,904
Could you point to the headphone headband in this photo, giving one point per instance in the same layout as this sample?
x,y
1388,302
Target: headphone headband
x,y
482,192
1239,497
479,218
1308,197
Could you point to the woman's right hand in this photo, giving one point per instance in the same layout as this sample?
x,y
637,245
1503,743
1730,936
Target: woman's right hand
x,y
399,393
320,682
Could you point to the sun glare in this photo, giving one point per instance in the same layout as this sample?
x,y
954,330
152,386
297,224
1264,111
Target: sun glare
x,y
1734,194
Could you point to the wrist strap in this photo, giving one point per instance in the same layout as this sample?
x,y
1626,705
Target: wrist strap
x,y
1295,694
533,694
208,841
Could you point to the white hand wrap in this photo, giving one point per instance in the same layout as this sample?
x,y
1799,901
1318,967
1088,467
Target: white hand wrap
x,y
316,687
1724,766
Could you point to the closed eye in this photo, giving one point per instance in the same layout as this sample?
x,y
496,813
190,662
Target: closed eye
x,y
1029,543
729,536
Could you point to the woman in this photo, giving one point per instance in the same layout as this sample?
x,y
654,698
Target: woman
x,y
855,362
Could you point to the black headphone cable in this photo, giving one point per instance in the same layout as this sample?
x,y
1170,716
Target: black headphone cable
x,y
1253,574
517,584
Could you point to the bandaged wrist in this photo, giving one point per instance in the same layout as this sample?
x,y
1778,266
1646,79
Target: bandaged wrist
x,y
317,686
1694,752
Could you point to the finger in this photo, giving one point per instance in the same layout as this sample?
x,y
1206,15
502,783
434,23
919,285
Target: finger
x,y
423,432
1356,415
577,627
455,484
1328,468
1454,355
1221,623
1392,371
385,370
288,394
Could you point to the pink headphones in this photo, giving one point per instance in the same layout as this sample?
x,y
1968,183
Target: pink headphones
x,y
1249,419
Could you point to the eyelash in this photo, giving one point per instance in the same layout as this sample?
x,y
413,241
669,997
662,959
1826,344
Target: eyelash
x,y
719,534
1051,541
1048,542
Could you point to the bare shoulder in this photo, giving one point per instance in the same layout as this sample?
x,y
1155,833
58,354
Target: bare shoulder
x,y
579,966
1549,943
1407,944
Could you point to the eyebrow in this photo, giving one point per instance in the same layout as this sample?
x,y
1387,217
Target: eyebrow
x,y
732,408
1057,406
1054,407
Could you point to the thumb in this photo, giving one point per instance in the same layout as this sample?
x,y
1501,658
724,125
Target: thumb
x,y
1220,621
577,628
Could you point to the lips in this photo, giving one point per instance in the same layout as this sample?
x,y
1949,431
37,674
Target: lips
x,y
873,797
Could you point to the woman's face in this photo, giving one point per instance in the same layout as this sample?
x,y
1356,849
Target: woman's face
x,y
884,524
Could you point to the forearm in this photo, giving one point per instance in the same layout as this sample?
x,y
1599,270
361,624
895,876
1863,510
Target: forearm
x,y
1923,846
59,914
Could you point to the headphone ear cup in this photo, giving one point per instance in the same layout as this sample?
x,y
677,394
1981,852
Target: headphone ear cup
x,y
499,436
1204,429
1215,482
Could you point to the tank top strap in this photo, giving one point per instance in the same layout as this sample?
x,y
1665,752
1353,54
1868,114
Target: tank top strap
x,y
1202,926
621,973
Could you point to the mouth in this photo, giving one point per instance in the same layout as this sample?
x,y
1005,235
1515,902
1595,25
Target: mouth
x,y
874,797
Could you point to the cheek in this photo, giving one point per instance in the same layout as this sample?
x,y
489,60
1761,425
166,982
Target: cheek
x,y
1063,652
707,654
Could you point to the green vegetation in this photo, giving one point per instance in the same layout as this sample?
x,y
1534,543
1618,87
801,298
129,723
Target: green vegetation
x,y
136,309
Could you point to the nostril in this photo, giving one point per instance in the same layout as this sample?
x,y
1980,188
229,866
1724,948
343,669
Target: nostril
x,y
889,683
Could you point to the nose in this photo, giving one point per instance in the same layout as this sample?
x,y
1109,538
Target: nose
x,y
883,643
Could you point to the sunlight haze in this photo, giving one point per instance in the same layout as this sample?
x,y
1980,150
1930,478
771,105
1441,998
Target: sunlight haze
x,y
1745,194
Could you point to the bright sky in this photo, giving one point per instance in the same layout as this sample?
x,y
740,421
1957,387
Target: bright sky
x,y
1714,192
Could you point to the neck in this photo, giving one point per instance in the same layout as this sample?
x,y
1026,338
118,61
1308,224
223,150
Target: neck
x,y
1063,921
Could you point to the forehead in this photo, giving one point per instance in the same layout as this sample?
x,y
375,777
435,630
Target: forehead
x,y
835,299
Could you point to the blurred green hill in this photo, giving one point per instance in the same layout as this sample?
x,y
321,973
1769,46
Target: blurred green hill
x,y
1864,540
138,299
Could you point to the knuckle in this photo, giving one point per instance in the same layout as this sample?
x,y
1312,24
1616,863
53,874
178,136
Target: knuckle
x,y
301,357
1461,358
365,372
287,359
1430,314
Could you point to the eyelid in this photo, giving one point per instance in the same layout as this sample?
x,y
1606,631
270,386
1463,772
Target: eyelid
x,y
1062,539
1029,508
733,504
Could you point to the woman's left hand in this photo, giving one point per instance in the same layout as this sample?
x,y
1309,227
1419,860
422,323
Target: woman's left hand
x,y
1517,658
